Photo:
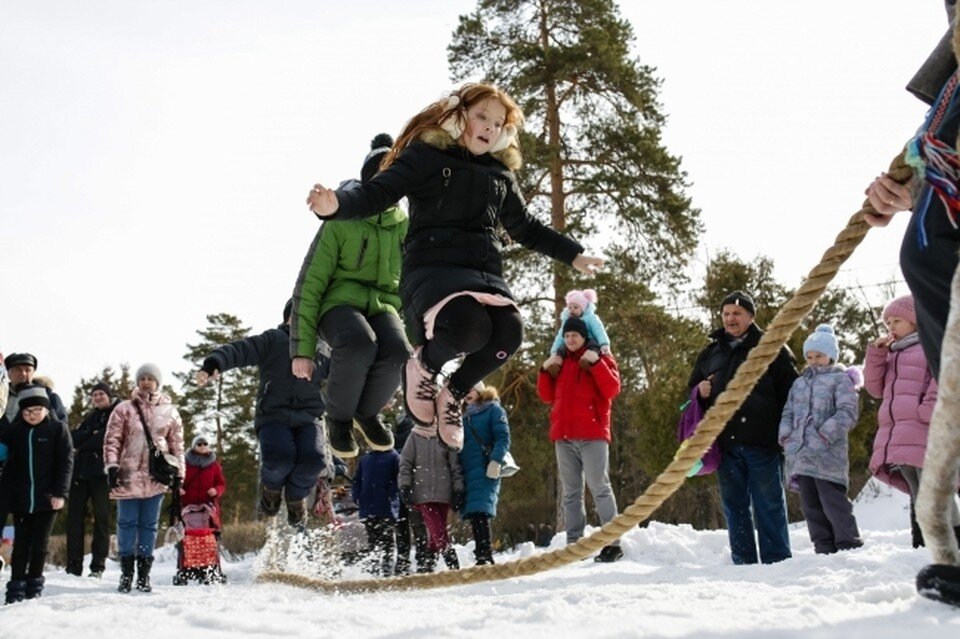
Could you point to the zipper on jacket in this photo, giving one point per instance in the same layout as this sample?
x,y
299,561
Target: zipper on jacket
x,y
363,251
446,173
893,388
33,489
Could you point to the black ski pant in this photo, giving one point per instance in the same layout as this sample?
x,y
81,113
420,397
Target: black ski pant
x,y
928,271
365,360
829,515
381,543
31,536
94,491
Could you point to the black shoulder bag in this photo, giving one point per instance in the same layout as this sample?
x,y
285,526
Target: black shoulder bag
x,y
163,467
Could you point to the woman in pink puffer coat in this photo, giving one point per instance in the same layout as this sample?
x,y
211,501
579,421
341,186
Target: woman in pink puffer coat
x,y
126,460
896,371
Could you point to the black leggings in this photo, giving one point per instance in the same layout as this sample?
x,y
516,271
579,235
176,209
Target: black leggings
x,y
31,534
488,335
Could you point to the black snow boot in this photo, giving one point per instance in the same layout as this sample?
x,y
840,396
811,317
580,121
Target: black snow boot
x,y
426,562
269,504
916,535
940,582
16,590
34,587
450,558
609,554
340,438
378,436
483,550
143,574
126,573
297,513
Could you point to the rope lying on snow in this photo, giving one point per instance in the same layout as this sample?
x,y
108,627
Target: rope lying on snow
x,y
670,480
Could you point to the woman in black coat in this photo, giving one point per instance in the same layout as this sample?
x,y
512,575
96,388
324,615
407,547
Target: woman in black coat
x,y
454,163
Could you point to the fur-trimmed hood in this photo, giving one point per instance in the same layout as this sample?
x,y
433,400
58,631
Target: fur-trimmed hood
x,y
440,139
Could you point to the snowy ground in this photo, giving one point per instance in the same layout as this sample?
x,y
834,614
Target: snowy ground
x,y
673,582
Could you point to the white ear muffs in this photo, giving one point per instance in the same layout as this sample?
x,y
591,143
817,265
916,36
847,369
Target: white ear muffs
x,y
453,124
507,136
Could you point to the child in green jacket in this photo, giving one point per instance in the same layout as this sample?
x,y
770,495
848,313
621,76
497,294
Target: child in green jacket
x,y
348,291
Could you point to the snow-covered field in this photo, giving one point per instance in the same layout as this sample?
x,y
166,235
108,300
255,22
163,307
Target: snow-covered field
x,y
673,582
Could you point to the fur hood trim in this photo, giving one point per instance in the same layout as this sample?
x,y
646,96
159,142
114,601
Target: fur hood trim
x,y
440,139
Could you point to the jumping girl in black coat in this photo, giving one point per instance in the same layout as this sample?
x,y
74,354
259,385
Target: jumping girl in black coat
x,y
454,162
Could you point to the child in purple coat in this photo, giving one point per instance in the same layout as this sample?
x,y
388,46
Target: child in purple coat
x,y
821,409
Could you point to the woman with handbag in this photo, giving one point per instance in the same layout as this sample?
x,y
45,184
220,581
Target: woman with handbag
x,y
485,444
143,456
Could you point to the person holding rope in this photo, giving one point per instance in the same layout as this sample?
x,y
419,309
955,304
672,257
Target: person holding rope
x,y
929,260
455,163
750,473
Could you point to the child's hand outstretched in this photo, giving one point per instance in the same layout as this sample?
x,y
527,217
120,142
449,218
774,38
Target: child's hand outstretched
x,y
587,264
322,201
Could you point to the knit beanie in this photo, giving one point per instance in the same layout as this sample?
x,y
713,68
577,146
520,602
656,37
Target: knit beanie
x,y
199,438
576,325
739,298
901,307
583,298
32,395
152,370
379,146
20,359
102,386
824,341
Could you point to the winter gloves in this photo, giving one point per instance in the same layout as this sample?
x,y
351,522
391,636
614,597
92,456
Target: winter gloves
x,y
113,477
493,469
459,500
406,495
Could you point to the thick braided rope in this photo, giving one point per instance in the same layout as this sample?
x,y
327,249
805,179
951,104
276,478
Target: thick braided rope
x,y
670,480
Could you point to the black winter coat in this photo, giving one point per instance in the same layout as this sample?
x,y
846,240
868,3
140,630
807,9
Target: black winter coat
x,y
456,201
282,398
757,422
39,464
88,443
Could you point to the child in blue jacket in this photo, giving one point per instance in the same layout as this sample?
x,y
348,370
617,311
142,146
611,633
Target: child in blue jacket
x,y
375,490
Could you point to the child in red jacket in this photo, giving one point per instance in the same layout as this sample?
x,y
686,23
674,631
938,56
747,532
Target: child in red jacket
x,y
580,395
204,482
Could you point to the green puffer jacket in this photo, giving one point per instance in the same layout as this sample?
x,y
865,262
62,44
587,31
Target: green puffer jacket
x,y
350,263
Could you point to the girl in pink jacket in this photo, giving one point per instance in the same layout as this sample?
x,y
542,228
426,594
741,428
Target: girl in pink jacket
x,y
896,371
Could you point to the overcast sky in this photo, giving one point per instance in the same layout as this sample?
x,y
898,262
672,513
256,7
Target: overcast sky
x,y
155,155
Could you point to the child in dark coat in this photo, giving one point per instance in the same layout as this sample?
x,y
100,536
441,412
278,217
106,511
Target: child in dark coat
x,y
375,491
39,463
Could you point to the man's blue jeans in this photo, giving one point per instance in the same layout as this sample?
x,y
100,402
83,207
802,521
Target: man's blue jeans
x,y
751,479
137,521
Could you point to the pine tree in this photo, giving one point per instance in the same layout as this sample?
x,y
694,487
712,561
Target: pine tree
x,y
595,164
224,410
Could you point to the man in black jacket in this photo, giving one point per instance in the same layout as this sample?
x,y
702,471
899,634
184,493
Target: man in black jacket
x,y
90,484
751,472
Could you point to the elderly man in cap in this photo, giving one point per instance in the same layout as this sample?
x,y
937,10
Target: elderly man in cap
x,y
750,472
90,485
21,368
